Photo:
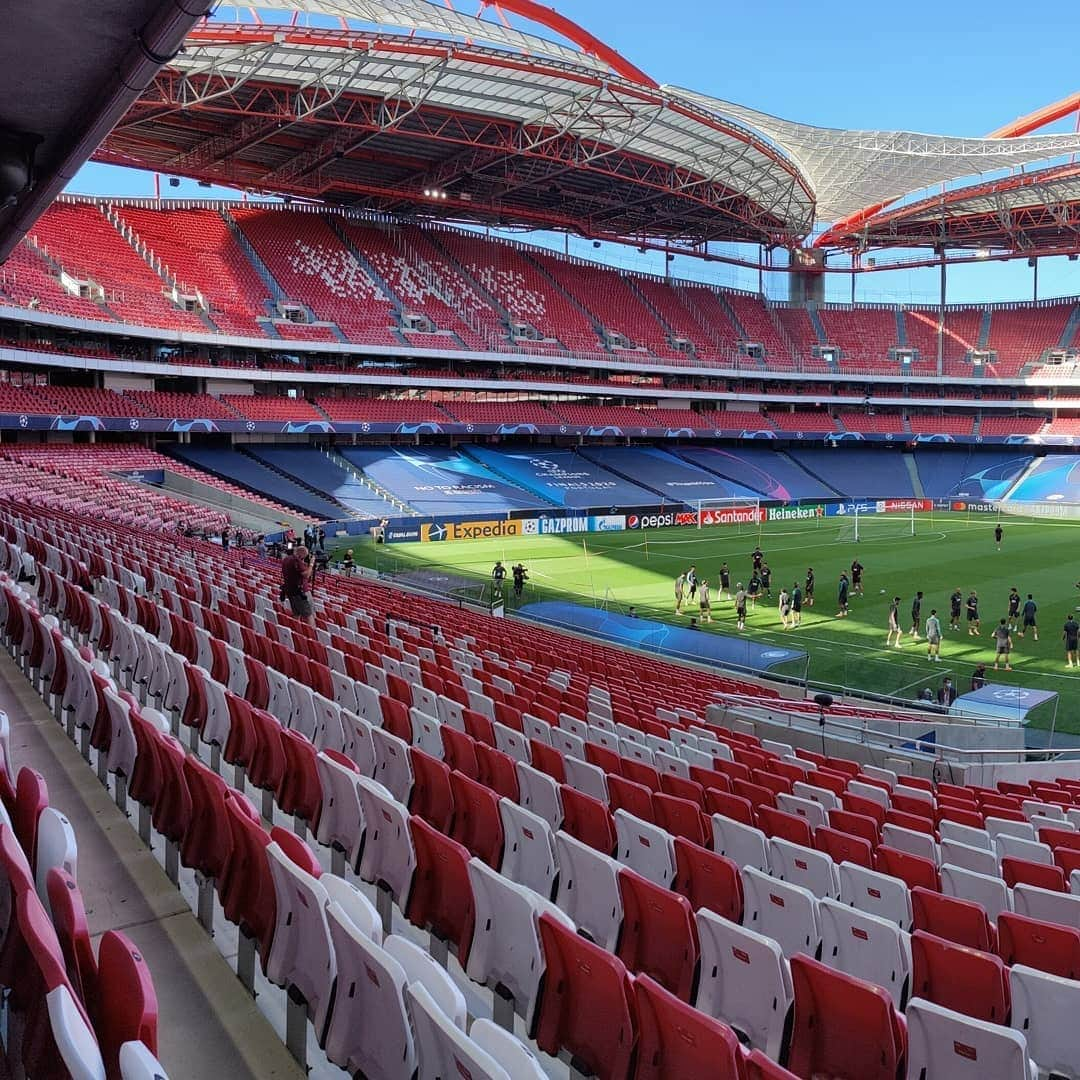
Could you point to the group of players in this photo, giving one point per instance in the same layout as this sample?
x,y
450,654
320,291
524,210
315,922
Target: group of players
x,y
690,587
1021,618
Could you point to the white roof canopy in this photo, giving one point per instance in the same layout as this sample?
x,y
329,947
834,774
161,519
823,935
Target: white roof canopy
x,y
851,170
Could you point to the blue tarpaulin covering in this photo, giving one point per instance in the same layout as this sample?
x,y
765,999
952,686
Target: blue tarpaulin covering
x,y
663,638
1002,702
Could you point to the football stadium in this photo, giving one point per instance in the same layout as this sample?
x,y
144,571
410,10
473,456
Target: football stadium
x,y
515,566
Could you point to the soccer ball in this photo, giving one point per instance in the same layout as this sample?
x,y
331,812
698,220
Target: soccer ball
x,y
881,591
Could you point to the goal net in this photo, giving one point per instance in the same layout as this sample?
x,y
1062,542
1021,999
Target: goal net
x,y
741,513
871,525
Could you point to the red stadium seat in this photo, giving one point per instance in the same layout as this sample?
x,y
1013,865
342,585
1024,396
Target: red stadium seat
x,y
127,1009
914,870
1045,946
843,1027
959,921
681,817
586,1005
785,826
632,797
659,935
966,980
588,820
431,797
855,825
1024,872
730,806
676,1042
477,823
708,880
843,847
441,898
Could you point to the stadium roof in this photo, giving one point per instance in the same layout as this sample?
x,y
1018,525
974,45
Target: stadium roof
x,y
1035,211
404,106
68,72
412,107
853,171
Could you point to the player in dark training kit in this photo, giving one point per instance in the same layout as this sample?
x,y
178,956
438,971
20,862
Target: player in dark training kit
x,y
974,629
856,577
725,580
998,533
1030,607
1014,608
809,586
956,602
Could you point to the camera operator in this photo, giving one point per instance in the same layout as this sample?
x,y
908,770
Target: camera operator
x,y
297,573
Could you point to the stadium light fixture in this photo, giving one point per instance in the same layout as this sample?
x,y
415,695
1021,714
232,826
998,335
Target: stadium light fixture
x,y
434,193
982,253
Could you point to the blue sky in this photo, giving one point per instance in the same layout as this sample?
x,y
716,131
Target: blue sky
x,y
952,66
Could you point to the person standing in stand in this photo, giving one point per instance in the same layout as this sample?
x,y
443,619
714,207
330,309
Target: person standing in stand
x,y
296,577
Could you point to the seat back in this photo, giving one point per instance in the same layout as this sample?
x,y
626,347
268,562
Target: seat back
x,y
708,880
442,1049
127,1009
745,981
813,870
586,1006
960,921
876,894
528,849
659,935
785,912
441,898
960,978
866,946
942,1042
676,1041
645,848
988,891
1044,1009
588,890
843,1026
1037,944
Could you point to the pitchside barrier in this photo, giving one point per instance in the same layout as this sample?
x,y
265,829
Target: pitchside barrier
x,y
740,514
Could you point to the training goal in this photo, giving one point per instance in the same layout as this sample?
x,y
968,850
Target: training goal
x,y
742,513
875,524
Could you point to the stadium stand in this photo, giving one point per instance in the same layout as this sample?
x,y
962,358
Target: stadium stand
x,y
877,422
271,407
276,888
311,263
966,472
857,472
668,476
863,335
436,481
774,475
200,251
563,478
1021,335
993,424
501,412
962,330
254,476
80,238
180,406
32,283
317,469
802,420
382,410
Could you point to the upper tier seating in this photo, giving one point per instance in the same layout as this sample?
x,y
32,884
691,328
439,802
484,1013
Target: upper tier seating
x,y
202,253
1021,335
863,335
312,264
712,334
27,280
180,406
86,244
756,321
382,410
415,286
945,423
614,303
996,424
962,328
524,292
271,407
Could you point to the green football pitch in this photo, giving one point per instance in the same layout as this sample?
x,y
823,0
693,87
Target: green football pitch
x,y
947,551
